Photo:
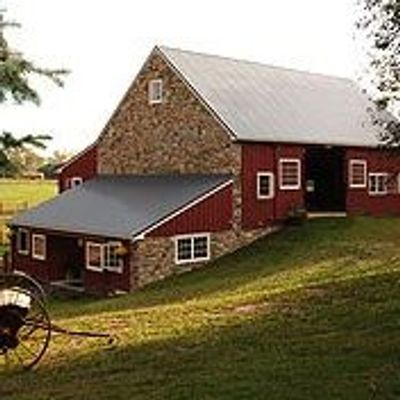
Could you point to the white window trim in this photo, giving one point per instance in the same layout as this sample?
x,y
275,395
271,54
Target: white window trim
x,y
377,174
290,187
75,181
23,252
94,267
192,237
35,255
271,185
365,165
398,183
109,268
103,267
152,100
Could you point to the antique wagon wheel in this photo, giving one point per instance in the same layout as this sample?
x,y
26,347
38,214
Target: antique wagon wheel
x,y
24,281
25,329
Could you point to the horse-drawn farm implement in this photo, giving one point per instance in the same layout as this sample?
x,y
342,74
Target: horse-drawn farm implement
x,y
25,324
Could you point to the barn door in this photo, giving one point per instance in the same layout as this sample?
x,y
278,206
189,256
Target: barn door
x,y
325,183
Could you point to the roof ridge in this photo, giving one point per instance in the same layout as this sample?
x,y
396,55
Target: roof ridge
x,y
252,62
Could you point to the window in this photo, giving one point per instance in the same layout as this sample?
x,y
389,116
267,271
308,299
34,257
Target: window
x,y
265,185
94,256
112,260
192,248
290,174
39,247
358,174
391,184
23,241
378,184
155,91
103,256
75,181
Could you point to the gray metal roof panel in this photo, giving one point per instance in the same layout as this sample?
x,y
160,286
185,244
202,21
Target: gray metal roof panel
x,y
265,103
118,206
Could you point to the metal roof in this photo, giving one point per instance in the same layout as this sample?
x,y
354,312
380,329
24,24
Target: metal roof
x,y
264,103
119,206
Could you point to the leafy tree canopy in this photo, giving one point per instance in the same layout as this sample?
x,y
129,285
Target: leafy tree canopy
x,y
15,71
380,22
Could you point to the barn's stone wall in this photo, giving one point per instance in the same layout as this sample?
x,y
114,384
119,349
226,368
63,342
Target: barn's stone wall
x,y
180,135
155,257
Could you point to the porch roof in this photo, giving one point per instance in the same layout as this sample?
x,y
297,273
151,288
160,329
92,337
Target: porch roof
x,y
119,206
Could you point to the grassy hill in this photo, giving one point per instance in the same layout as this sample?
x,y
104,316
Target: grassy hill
x,y
308,313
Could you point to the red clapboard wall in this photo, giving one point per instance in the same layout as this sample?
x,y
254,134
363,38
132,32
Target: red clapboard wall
x,y
213,214
359,201
83,165
259,157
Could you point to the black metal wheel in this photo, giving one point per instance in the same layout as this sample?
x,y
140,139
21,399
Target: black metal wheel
x,y
25,329
24,281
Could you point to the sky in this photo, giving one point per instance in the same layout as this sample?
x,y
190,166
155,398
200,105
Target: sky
x,y
104,44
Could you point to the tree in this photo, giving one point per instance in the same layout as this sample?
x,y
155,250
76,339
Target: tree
x,y
379,21
11,149
15,71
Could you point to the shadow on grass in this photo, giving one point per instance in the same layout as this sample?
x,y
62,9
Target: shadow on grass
x,y
337,341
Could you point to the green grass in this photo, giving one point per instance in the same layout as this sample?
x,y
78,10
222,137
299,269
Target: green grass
x,y
18,195
33,192
308,313
3,249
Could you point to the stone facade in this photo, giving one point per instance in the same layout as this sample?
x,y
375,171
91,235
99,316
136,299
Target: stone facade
x,y
155,257
179,135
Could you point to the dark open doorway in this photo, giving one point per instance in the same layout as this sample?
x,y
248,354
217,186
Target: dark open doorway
x,y
325,183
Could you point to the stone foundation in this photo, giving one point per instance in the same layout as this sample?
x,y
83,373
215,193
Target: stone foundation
x,y
154,258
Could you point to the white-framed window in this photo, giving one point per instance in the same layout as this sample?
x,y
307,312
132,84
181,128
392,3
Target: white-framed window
x,y
75,181
358,174
23,241
94,256
378,183
155,91
38,246
103,256
112,260
290,173
265,185
192,248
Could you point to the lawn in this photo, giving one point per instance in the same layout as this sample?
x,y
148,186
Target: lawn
x,y
312,312
32,192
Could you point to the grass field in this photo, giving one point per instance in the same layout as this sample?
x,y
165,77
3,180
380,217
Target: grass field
x,y
19,194
309,313
33,192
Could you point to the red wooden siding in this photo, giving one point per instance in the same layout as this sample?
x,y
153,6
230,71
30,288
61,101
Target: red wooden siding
x,y
213,214
63,251
358,200
58,251
84,165
265,157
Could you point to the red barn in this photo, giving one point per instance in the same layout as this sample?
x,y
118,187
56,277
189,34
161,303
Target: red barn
x,y
203,155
